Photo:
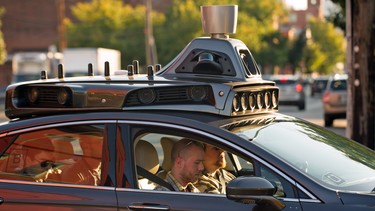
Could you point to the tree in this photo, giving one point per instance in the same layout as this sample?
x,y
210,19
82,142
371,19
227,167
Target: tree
x,y
336,15
361,69
318,49
181,25
111,24
3,54
325,48
254,26
274,54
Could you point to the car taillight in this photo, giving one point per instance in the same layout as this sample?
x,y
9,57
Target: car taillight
x,y
325,97
299,88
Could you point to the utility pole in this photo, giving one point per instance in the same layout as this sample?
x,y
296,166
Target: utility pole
x,y
361,69
151,55
61,26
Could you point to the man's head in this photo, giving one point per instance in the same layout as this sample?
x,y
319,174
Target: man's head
x,y
214,158
187,159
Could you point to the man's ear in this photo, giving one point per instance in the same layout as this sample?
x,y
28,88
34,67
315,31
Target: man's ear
x,y
179,162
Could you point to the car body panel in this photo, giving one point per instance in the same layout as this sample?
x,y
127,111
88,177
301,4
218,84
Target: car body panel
x,y
21,196
202,124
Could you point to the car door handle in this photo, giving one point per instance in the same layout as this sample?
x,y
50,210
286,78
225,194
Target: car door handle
x,y
148,206
1,200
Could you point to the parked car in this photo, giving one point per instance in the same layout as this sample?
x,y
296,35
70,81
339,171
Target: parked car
x,y
291,90
318,85
103,142
335,99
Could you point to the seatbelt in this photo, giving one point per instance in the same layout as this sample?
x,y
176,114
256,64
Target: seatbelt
x,y
154,178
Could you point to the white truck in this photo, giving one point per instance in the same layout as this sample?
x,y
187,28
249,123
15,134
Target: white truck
x,y
76,60
28,65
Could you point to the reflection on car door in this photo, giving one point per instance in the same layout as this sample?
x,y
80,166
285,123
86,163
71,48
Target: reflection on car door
x,y
57,168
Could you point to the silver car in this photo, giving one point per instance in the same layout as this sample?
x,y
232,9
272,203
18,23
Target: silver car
x,y
335,99
291,90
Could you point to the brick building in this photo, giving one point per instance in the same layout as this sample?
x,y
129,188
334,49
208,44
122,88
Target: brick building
x,y
298,19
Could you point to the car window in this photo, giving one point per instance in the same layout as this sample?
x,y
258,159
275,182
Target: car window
x,y
70,154
339,85
152,152
281,139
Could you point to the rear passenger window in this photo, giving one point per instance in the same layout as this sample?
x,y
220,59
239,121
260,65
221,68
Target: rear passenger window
x,y
339,85
70,154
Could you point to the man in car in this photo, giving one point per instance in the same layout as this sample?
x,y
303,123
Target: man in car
x,y
215,177
187,166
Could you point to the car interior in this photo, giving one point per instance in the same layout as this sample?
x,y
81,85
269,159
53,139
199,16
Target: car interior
x,y
153,154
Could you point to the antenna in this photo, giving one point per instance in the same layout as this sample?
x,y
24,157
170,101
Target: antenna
x,y
60,71
150,70
106,68
130,70
43,74
157,67
90,71
136,66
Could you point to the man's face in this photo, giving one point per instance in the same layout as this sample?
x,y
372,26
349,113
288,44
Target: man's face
x,y
214,158
192,165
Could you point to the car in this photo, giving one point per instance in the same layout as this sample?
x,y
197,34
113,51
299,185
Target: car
x,y
335,99
319,85
291,90
104,142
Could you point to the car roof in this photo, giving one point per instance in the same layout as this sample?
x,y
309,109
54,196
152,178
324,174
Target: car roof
x,y
339,77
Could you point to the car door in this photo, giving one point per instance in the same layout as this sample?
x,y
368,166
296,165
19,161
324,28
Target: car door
x,y
61,166
141,194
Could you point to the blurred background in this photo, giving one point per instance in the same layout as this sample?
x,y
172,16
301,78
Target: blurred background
x,y
285,37
292,37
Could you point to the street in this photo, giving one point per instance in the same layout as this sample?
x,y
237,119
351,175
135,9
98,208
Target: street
x,y
314,113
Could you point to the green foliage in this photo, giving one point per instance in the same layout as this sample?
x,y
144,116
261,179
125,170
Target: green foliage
x,y
275,53
182,24
111,24
296,49
255,20
3,53
325,48
337,15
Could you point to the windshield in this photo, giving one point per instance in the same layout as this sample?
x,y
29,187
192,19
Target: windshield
x,y
329,159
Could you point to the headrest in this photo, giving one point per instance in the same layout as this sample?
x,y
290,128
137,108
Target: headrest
x,y
167,144
146,156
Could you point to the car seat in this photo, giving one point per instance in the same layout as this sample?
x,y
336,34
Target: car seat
x,y
167,144
146,157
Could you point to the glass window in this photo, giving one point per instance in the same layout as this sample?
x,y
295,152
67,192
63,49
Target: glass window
x,y
316,153
339,85
70,154
153,153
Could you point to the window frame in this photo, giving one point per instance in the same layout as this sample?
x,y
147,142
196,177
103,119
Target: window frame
x,y
106,132
135,126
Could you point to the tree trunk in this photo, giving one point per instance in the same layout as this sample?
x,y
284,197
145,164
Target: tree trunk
x,y
361,70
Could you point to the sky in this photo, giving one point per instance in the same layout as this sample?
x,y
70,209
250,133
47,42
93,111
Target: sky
x,y
297,4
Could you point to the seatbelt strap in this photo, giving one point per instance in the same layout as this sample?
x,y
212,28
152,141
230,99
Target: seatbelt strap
x,y
154,178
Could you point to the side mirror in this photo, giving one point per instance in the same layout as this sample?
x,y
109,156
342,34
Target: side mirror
x,y
253,190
